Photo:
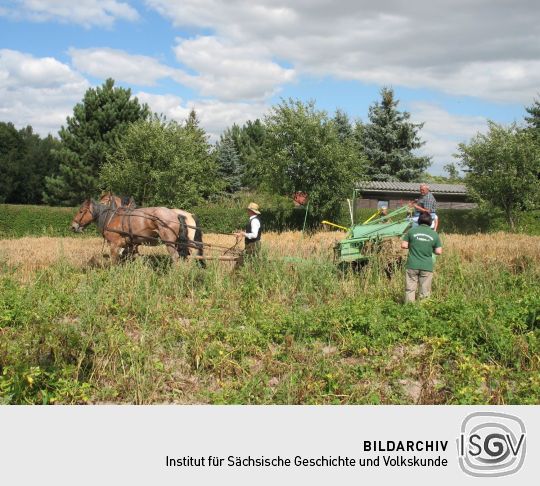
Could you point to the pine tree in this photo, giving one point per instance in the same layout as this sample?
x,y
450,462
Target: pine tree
x,y
249,141
25,161
534,110
229,167
192,121
389,140
11,152
97,124
343,126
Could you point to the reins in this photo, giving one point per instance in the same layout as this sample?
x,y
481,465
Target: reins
x,y
100,209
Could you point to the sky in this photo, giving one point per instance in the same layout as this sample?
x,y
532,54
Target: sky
x,y
453,64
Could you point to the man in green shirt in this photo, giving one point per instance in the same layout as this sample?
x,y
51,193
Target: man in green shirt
x,y
422,242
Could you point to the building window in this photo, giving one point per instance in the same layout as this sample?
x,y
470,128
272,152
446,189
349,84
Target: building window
x,y
382,204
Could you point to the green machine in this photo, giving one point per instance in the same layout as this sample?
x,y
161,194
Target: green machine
x,y
363,239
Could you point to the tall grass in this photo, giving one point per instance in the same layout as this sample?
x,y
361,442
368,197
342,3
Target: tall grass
x,y
73,329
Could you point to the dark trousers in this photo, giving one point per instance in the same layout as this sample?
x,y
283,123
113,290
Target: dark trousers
x,y
251,250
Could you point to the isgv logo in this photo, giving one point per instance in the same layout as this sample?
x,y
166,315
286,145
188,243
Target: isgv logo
x,y
491,444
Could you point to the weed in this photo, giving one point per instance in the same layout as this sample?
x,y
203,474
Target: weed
x,y
274,331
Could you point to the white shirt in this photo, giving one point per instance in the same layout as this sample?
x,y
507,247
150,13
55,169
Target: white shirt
x,y
255,226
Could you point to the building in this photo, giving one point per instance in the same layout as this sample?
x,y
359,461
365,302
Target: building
x,y
376,194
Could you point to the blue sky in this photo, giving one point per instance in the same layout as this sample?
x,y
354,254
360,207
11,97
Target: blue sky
x,y
453,64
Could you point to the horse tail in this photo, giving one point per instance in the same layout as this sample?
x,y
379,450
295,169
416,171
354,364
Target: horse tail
x,y
182,241
198,241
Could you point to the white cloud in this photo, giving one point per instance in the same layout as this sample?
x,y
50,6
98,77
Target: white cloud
x,y
43,91
214,115
173,107
483,48
217,115
19,69
443,131
119,65
231,16
37,91
223,72
230,72
84,12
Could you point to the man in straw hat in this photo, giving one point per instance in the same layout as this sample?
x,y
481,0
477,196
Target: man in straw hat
x,y
252,234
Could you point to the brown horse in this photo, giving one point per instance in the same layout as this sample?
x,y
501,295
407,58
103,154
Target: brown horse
x,y
189,225
114,201
126,228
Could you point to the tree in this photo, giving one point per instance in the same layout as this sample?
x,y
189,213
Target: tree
x,y
343,126
534,120
453,172
38,163
25,161
11,149
502,169
453,176
303,152
248,141
97,124
389,140
163,163
228,160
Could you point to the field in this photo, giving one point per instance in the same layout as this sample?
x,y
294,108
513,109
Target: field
x,y
73,329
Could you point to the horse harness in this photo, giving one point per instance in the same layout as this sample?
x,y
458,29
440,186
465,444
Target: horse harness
x,y
110,213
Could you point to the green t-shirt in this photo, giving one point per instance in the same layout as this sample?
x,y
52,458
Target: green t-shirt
x,y
422,243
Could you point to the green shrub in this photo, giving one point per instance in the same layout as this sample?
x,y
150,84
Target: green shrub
x,y
277,214
17,221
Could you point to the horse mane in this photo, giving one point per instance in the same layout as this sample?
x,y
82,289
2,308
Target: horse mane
x,y
100,212
123,201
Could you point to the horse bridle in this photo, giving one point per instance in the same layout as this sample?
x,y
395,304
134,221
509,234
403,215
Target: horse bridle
x,y
91,211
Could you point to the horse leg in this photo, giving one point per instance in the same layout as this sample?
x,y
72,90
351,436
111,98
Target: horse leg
x,y
183,238
190,236
173,252
131,251
115,252
169,236
199,243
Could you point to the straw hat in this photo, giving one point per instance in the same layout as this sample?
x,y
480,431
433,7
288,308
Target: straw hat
x,y
254,207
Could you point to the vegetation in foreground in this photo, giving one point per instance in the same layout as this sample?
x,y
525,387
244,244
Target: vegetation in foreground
x,y
74,330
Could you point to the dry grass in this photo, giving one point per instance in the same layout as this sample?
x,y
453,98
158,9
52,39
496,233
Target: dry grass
x,y
494,247
34,253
